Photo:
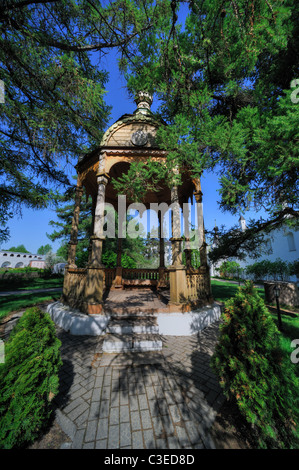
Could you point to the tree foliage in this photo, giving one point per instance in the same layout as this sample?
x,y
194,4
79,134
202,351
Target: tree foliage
x,y
65,204
18,249
222,71
44,249
54,109
132,248
230,268
223,78
277,270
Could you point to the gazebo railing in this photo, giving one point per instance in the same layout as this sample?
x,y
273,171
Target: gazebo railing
x,y
74,285
136,276
197,284
109,276
140,274
76,278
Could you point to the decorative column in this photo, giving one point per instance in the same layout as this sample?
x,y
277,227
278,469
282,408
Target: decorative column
x,y
71,262
161,240
161,282
187,249
177,272
117,282
69,289
204,267
94,203
176,240
95,278
201,231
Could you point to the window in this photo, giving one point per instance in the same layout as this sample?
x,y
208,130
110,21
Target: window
x,y
291,242
6,264
269,247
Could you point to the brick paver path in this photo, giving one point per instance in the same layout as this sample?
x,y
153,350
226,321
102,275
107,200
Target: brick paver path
x,y
164,400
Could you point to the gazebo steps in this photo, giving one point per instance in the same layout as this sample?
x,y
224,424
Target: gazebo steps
x,y
132,325
116,343
129,311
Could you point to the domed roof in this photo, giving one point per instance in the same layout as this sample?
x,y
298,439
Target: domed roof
x,y
142,117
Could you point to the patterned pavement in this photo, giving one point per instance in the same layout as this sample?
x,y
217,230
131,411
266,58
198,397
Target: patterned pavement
x,y
164,400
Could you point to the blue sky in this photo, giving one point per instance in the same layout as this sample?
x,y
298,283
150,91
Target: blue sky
x,y
31,228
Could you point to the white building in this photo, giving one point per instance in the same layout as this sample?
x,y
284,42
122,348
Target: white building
x,y
10,259
282,243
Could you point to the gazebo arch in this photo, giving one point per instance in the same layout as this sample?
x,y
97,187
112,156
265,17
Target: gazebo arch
x,y
131,139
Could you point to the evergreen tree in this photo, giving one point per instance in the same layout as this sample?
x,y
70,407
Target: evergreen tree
x,y
62,228
28,379
44,249
54,109
226,77
254,371
132,248
18,249
226,80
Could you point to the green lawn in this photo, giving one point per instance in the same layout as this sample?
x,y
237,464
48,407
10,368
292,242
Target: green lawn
x,y
223,290
11,303
27,284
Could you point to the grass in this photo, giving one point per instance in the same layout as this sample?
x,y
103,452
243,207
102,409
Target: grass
x,y
11,303
223,290
27,284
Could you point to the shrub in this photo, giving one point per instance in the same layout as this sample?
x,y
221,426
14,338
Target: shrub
x,y
280,270
259,270
254,372
265,269
229,269
28,379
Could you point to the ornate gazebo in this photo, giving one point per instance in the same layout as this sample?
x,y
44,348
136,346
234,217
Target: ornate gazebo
x,y
132,138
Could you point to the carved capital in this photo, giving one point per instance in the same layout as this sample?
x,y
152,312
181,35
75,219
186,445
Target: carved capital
x,y
102,178
198,196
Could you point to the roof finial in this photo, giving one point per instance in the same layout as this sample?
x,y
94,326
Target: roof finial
x,y
143,99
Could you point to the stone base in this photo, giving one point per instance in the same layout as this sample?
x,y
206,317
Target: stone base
x,y
187,323
76,322
172,324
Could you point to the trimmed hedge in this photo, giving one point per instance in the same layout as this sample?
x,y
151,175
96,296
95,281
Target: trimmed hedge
x,y
28,379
